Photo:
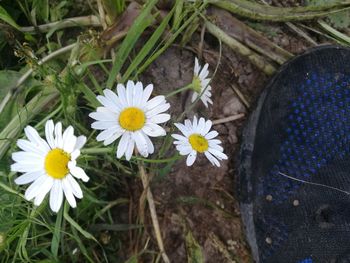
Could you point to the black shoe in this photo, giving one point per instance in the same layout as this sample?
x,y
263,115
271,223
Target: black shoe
x,y
294,177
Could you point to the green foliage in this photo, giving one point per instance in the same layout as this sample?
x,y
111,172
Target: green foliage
x,y
339,20
7,18
194,250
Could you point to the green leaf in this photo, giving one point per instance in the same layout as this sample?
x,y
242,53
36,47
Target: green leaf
x,y
55,243
340,20
42,9
148,46
76,225
7,18
194,250
143,21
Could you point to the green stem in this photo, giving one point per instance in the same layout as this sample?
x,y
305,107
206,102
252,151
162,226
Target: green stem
x,y
97,150
282,14
189,86
176,157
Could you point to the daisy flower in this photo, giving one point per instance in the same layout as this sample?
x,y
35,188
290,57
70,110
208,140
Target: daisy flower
x,y
200,83
197,138
130,114
50,165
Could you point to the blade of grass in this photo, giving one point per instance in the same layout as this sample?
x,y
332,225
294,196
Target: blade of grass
x,y
148,46
55,243
143,21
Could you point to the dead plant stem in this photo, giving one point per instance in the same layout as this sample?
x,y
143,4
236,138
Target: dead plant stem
x,y
152,208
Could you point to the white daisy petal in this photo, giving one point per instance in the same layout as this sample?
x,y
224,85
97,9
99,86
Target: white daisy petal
x,y
26,167
160,118
150,145
194,96
103,116
49,128
196,67
35,188
147,93
218,154
45,188
211,135
204,72
212,159
129,92
153,130
30,147
182,128
25,157
108,133
58,135
122,94
138,92
68,192
141,143
56,196
75,187
28,177
123,144
208,125
191,158
179,137
79,173
75,154
130,149
201,125
112,138
81,140
35,138
155,102
159,109
113,98
102,125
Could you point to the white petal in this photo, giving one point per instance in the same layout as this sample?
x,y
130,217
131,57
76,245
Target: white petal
x,y
56,196
141,143
150,145
216,146
27,157
45,188
113,98
129,92
75,154
122,94
201,125
81,140
218,154
179,137
138,92
108,133
129,149
191,158
196,67
30,147
211,135
76,190
102,125
159,109
154,102
58,135
27,178
194,96
34,137
49,128
194,123
147,93
182,128
204,72
69,143
112,138
26,167
184,150
35,188
112,107
208,125
160,118
212,159
153,130
104,116
67,189
123,144
79,173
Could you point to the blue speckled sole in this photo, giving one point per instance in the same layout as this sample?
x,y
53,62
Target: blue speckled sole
x,y
295,152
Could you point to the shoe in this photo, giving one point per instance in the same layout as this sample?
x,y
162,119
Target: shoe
x,y
294,174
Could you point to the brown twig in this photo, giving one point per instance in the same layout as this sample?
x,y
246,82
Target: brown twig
x,y
228,119
152,208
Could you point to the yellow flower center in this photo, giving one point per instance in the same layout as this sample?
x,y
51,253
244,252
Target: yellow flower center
x,y
197,84
132,119
198,142
56,163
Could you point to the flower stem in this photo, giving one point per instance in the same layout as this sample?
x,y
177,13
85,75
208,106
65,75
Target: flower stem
x,y
189,86
96,150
